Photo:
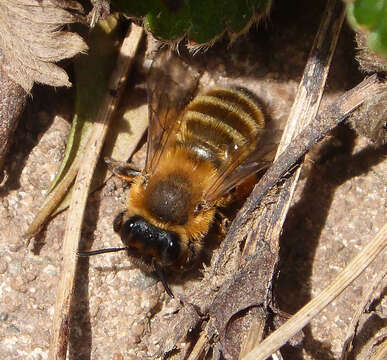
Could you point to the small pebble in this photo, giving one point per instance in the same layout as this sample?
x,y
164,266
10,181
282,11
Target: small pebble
x,y
3,266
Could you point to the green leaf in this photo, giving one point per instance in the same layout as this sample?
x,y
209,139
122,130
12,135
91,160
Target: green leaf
x,y
200,21
167,24
370,17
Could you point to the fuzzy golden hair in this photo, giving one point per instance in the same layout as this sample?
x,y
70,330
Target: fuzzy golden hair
x,y
198,175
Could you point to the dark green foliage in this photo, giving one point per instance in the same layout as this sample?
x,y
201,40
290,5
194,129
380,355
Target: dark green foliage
x,y
201,21
370,17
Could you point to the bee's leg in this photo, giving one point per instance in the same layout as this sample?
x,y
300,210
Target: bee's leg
x,y
122,169
223,222
160,274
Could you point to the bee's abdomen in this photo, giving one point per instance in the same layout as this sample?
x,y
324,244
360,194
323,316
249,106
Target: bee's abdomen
x,y
219,122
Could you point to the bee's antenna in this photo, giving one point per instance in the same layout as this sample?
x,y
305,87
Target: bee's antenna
x,y
101,251
160,273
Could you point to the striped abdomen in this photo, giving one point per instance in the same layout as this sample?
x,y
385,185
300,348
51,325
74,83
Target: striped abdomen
x,y
221,124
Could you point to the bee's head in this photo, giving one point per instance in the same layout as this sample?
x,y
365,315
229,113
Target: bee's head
x,y
148,241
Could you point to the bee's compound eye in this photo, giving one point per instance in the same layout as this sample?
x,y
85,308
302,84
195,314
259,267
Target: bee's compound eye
x,y
127,227
171,249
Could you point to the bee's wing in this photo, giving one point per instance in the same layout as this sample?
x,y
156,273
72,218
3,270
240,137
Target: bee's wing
x,y
243,163
171,85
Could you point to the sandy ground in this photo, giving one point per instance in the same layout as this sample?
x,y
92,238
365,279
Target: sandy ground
x,y
339,206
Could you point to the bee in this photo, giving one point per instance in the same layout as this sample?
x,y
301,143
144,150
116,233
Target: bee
x,y
197,151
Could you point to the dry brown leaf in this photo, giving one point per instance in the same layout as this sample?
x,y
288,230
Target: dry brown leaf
x,y
32,39
12,101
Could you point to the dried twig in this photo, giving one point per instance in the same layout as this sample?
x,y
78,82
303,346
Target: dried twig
x,y
60,330
279,337
352,328
200,345
253,338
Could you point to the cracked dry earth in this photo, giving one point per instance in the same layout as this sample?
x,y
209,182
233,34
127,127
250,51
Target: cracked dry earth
x,y
339,206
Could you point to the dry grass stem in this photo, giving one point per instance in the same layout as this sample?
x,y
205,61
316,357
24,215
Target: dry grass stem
x,y
200,345
254,337
381,354
297,322
312,84
352,328
60,328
